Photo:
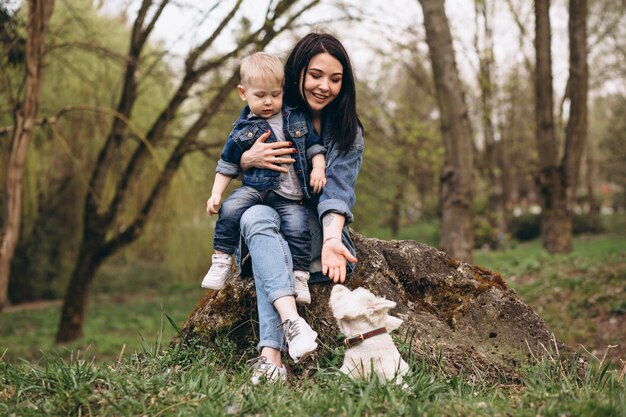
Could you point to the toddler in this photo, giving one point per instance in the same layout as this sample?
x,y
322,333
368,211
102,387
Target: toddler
x,y
262,78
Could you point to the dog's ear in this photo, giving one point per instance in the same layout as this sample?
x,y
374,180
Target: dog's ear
x,y
380,304
339,304
392,323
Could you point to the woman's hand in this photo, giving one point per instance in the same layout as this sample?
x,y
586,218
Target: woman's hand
x,y
267,155
334,258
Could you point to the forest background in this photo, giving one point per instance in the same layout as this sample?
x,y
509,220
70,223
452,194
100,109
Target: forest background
x,y
124,146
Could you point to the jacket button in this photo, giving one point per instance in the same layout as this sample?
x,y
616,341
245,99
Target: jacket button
x,y
298,133
249,134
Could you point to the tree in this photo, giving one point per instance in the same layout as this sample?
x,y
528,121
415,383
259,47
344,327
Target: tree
x,y
456,229
492,150
556,179
109,223
25,112
402,163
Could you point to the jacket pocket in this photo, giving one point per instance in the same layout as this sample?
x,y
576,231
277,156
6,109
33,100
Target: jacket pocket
x,y
248,135
297,130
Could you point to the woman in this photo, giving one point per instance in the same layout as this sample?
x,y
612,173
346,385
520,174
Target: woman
x,y
318,78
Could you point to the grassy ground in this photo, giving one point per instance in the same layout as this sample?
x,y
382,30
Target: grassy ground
x,y
127,306
113,371
581,296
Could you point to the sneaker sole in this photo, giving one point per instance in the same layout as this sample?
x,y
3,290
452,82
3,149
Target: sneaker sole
x,y
212,287
306,355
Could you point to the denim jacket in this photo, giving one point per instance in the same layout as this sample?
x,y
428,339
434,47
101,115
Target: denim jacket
x,y
247,129
338,196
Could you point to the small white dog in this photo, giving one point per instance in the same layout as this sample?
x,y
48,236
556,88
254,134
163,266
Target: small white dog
x,y
364,319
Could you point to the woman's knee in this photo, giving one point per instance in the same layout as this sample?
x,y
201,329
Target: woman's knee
x,y
257,217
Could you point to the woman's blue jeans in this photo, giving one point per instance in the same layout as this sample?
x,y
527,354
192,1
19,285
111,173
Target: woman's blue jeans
x,y
273,269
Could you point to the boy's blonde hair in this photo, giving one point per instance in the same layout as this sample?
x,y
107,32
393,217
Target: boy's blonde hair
x,y
261,66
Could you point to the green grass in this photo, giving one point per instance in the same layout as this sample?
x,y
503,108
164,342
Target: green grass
x,y
196,381
127,301
113,371
423,232
581,296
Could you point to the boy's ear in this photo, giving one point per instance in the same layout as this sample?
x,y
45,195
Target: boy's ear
x,y
242,92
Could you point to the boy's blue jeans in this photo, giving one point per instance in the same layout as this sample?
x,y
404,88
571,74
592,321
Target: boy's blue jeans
x,y
293,221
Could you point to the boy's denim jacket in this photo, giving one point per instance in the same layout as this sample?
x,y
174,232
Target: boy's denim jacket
x,y
247,129
338,196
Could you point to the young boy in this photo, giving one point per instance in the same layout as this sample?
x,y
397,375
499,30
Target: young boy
x,y
262,78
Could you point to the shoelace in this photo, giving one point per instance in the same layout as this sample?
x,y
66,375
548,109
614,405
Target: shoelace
x,y
291,330
260,365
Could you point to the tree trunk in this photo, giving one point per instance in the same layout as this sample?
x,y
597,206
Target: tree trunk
x,y
593,206
557,183
461,318
76,296
456,229
576,129
39,13
549,180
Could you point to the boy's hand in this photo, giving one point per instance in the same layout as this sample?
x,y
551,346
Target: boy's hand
x,y
318,179
212,203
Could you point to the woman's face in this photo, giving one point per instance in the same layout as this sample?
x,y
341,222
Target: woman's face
x,y
322,82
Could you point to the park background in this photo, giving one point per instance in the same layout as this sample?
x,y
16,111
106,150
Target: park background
x,y
141,213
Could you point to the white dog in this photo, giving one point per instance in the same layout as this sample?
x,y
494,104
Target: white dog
x,y
363,319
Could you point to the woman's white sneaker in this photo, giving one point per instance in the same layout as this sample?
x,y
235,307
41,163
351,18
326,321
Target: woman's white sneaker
x,y
220,272
303,296
263,369
300,338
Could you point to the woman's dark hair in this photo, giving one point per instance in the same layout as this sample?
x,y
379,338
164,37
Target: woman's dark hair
x,y
341,112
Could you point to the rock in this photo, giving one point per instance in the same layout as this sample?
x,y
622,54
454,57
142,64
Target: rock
x,y
460,317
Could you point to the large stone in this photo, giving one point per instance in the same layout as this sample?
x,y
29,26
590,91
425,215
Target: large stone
x,y
460,317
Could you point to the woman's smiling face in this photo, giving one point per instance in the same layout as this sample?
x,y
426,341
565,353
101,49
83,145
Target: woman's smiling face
x,y
322,81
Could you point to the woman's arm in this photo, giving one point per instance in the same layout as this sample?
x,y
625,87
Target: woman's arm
x,y
334,253
335,205
267,155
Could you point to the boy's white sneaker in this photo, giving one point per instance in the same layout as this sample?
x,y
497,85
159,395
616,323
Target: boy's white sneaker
x,y
303,296
300,338
221,271
263,369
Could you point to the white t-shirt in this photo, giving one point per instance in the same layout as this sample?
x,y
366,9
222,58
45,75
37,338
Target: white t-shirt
x,y
289,184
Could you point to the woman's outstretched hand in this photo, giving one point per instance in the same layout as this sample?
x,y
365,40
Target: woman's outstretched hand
x,y
267,155
334,258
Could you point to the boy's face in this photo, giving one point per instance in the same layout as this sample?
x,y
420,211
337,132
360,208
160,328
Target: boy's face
x,y
265,98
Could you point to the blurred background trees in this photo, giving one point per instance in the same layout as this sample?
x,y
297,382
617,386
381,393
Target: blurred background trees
x,y
126,138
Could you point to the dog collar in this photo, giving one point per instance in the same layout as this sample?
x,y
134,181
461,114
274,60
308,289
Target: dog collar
x,y
355,340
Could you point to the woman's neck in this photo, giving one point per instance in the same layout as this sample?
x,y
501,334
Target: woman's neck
x,y
316,119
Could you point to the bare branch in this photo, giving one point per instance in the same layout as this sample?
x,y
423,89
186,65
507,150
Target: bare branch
x,y
191,60
150,27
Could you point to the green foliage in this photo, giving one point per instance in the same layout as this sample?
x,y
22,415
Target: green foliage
x,y
609,114
403,150
82,70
